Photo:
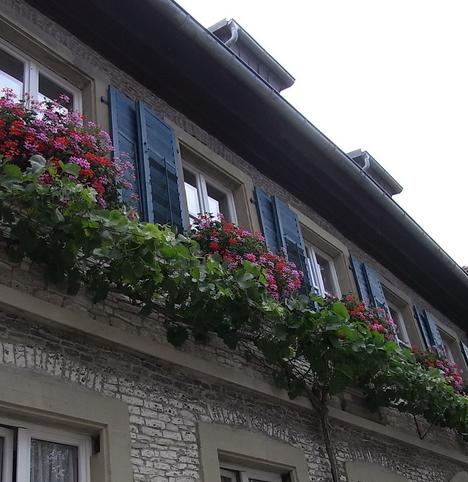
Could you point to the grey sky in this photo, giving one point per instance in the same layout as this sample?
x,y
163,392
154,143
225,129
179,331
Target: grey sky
x,y
387,76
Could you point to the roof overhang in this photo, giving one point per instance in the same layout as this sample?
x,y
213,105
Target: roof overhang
x,y
160,45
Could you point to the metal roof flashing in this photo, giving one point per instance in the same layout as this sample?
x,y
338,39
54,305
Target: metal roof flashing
x,y
252,53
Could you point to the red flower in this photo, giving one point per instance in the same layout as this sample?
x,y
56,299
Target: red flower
x,y
98,186
214,246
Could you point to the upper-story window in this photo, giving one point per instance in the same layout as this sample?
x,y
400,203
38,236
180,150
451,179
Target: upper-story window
x,y
205,195
322,272
25,76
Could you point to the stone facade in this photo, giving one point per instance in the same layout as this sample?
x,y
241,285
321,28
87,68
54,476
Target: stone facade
x,y
166,401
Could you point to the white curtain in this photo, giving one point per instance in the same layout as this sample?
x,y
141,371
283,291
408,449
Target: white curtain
x,y
52,462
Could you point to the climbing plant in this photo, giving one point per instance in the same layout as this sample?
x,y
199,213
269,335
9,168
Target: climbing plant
x,y
59,207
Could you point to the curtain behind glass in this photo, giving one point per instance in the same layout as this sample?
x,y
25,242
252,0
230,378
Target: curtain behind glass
x,y
52,462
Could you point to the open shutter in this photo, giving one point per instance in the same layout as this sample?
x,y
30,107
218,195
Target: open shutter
x,y
125,138
159,151
290,232
268,221
429,330
362,283
375,287
369,285
436,336
464,350
282,231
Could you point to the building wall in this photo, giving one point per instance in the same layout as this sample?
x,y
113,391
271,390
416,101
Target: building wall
x,y
166,401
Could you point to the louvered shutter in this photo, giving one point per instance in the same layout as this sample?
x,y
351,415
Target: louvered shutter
x,y
369,285
282,231
464,350
150,145
436,336
429,330
362,283
126,141
376,290
159,151
268,220
290,233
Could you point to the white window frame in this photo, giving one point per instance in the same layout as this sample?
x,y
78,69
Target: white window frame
x,y
7,460
246,473
400,323
315,274
201,184
26,432
31,76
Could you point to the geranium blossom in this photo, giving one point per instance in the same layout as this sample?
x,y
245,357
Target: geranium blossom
x,y
30,128
236,244
449,370
375,318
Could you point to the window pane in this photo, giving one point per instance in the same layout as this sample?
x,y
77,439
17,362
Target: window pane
x,y
327,276
11,73
50,90
191,193
53,462
217,201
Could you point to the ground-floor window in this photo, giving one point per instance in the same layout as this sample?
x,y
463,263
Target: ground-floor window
x,y
244,474
33,453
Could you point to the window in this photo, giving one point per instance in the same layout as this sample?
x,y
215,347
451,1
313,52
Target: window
x,y
243,474
229,454
397,317
6,455
204,195
43,454
24,76
322,272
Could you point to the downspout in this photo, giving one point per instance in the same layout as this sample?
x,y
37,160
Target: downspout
x,y
234,33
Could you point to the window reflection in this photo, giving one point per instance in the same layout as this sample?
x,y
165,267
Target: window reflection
x,y
11,73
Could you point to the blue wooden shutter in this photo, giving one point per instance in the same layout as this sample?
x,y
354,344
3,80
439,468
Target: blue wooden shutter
x,y
126,140
436,336
429,330
268,221
159,151
362,283
376,290
464,350
369,285
291,235
282,231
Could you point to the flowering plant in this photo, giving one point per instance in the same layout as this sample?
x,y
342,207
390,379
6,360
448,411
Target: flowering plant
x,y
72,147
449,370
375,318
235,244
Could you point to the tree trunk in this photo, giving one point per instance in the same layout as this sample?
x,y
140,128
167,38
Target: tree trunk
x,y
329,446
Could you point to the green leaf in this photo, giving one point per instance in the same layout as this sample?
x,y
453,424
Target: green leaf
x,y
37,164
341,310
13,171
73,169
